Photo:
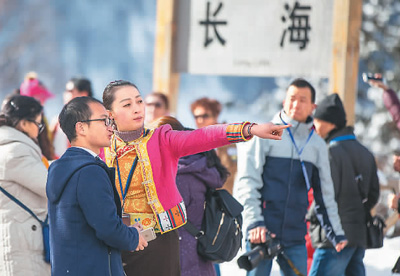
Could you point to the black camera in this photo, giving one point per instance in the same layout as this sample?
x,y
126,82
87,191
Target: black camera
x,y
268,250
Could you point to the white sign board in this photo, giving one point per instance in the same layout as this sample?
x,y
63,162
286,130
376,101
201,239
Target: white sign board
x,y
255,37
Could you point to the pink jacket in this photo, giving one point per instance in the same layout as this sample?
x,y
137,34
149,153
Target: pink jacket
x,y
159,153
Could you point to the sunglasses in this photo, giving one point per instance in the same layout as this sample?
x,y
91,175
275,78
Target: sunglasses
x,y
107,121
202,116
156,104
39,125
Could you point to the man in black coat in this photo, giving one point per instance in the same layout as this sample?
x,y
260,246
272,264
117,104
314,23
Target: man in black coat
x,y
355,180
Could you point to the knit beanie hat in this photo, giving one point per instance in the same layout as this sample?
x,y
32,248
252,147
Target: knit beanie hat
x,y
331,110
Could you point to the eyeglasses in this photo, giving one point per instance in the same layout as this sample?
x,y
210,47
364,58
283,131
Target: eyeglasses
x,y
39,125
156,104
202,116
107,121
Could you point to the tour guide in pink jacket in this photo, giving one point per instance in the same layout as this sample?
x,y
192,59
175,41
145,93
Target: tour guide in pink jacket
x,y
159,167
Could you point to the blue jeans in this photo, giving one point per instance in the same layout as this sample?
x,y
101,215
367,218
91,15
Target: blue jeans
x,y
217,270
297,254
349,261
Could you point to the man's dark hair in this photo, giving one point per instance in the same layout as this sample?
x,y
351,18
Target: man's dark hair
x,y
82,84
301,83
76,110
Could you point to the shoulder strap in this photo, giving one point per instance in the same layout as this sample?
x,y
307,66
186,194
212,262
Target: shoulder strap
x,y
190,226
193,230
22,206
359,180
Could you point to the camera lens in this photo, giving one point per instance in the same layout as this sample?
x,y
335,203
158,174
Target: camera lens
x,y
252,258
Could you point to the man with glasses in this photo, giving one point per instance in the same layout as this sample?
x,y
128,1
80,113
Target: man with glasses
x,y
86,230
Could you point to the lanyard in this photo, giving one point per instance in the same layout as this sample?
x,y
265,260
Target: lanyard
x,y
342,138
133,167
129,179
300,151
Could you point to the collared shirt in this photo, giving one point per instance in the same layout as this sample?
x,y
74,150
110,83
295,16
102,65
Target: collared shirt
x,y
88,150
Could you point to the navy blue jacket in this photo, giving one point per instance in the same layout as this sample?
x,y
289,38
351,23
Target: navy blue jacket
x,y
86,230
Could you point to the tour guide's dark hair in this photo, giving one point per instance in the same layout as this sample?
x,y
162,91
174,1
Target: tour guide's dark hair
x,y
75,111
109,91
19,108
301,83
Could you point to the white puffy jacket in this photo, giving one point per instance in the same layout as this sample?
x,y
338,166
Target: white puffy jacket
x,y
23,175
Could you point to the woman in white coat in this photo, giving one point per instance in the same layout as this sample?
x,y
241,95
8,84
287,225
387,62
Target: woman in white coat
x,y
23,175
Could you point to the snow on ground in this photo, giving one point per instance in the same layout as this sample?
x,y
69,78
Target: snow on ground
x,y
378,262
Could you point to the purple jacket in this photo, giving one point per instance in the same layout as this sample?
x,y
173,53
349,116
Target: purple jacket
x,y
192,180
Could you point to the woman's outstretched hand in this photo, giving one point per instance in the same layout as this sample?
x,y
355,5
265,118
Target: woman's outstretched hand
x,y
268,131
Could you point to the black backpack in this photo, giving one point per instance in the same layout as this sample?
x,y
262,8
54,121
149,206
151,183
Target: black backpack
x,y
220,237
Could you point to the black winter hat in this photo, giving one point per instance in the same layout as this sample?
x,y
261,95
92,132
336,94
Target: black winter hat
x,y
331,110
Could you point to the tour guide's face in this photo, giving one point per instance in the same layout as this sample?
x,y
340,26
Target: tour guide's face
x,y
297,104
127,109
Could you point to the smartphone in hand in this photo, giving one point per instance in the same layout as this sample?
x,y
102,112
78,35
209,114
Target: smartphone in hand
x,y
369,76
148,234
126,219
